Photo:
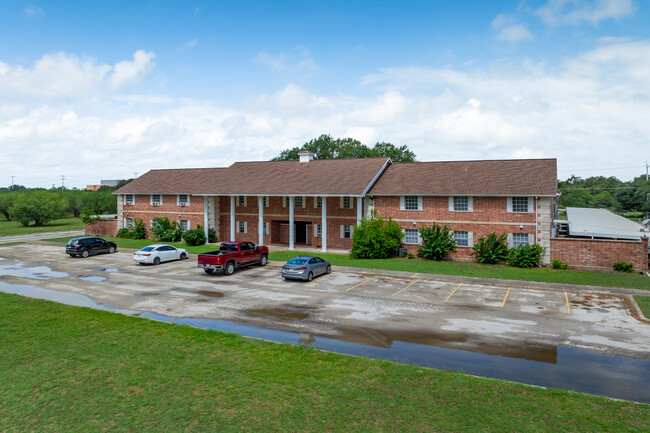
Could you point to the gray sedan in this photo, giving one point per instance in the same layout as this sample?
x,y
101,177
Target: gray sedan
x,y
305,268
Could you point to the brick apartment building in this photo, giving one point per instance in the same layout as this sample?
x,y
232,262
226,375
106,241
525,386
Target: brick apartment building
x,y
319,202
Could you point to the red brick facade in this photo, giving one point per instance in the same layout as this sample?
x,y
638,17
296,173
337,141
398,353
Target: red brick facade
x,y
600,253
102,228
169,207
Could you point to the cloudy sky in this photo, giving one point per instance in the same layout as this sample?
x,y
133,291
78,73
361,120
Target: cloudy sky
x,y
93,91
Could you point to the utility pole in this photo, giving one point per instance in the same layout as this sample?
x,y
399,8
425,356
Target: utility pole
x,y
62,181
646,170
135,175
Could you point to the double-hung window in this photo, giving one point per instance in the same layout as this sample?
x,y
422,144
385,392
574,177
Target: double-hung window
x,y
242,227
156,199
241,201
410,202
520,204
461,204
346,202
185,225
129,223
346,231
519,239
462,239
129,199
411,236
183,200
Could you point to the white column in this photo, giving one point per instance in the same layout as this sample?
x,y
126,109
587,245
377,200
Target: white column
x,y
232,218
359,210
291,227
324,224
205,217
260,221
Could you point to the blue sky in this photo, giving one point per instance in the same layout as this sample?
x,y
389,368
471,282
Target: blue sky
x,y
124,87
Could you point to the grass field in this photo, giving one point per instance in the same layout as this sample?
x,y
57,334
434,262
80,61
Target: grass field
x,y
9,228
593,278
66,368
644,304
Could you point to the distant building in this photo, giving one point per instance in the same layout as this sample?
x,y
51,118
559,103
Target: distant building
x,y
102,183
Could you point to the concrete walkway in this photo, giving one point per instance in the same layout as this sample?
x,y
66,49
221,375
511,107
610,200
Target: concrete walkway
x,y
39,236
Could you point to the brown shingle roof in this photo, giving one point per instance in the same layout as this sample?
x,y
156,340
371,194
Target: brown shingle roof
x,y
317,177
498,177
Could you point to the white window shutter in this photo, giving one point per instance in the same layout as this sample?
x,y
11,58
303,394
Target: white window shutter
x,y
351,230
451,204
315,202
470,239
531,238
245,201
509,204
341,204
420,202
401,203
419,238
341,231
352,200
304,201
245,225
284,201
315,234
237,226
470,204
531,209
510,240
268,228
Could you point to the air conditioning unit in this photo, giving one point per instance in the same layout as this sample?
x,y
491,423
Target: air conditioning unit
x,y
129,203
183,203
156,203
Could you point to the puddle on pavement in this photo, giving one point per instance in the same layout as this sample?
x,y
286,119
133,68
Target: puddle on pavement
x,y
110,270
35,273
209,293
280,314
542,365
92,278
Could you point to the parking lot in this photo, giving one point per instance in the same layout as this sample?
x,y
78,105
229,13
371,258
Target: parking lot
x,y
420,309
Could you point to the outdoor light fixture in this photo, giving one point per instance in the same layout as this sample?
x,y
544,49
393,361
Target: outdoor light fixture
x,y
521,226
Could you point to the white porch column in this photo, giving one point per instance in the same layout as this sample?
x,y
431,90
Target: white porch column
x,y
205,217
232,218
323,229
291,227
260,223
359,210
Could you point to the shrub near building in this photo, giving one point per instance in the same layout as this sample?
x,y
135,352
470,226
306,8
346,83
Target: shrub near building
x,y
376,238
437,241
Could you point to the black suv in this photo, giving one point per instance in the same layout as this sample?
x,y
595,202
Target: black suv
x,y
83,247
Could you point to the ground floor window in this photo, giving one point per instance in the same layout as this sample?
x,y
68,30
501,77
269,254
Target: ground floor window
x,y
411,236
185,225
462,239
242,227
318,232
129,223
266,229
346,231
519,239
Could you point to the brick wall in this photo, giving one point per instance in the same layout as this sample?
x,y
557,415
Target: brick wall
x,y
600,253
170,208
102,228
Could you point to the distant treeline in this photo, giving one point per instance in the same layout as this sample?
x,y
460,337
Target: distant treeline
x,y
606,192
37,206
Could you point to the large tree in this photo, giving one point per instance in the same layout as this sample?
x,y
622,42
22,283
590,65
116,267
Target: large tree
x,y
39,207
326,147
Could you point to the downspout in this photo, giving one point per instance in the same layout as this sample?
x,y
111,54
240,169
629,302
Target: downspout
x,y
536,226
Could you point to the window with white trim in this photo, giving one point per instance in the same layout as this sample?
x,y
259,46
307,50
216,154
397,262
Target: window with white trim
x,y
129,199
519,239
411,236
241,201
346,203
128,223
265,229
346,231
461,204
265,201
462,239
242,227
520,204
318,230
183,200
185,225
156,199
318,202
411,202
297,201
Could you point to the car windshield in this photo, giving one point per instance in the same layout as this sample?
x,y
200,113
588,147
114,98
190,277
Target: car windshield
x,y
147,249
296,261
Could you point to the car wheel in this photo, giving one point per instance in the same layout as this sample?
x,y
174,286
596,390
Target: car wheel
x,y
183,256
85,253
230,268
156,260
208,271
264,260
111,250
310,276
329,269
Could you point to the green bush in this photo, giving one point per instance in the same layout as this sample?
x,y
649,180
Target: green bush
x,y
194,237
623,267
163,230
124,233
559,264
212,236
376,238
139,230
491,248
437,241
526,256
37,208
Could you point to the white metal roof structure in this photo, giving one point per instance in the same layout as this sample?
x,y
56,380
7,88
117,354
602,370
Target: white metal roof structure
x,y
601,223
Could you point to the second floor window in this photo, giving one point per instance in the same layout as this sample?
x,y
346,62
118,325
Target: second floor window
x,y
156,199
129,199
461,204
411,202
183,200
520,204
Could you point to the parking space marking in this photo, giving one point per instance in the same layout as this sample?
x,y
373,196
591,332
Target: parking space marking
x,y
400,291
357,285
320,278
568,309
506,297
453,292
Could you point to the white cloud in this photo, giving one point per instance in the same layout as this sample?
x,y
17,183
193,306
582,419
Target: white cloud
x,y
509,30
573,12
130,72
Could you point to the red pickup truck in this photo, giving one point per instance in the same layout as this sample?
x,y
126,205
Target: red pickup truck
x,y
233,255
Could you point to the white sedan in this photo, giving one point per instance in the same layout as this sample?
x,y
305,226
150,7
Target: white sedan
x,y
158,253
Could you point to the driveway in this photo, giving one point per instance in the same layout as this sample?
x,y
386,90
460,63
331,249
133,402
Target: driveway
x,y
359,306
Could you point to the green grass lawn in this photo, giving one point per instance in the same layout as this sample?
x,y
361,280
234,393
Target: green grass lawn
x,y
593,278
644,304
9,228
66,368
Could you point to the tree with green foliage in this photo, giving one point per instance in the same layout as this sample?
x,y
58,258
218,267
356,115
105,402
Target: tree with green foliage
x,y
376,238
327,147
6,201
194,237
38,208
437,241
491,248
